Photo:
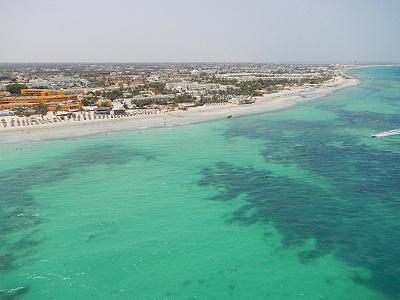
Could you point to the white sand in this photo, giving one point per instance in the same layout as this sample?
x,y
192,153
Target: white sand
x,y
268,103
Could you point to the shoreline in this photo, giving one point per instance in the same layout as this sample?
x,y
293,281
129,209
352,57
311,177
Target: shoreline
x,y
264,104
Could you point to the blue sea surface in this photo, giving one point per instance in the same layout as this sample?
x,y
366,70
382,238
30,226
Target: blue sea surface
x,y
295,204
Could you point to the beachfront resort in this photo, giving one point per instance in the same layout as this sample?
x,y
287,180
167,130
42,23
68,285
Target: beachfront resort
x,y
34,95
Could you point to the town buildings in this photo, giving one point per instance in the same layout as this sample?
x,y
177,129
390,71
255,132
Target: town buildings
x,y
74,86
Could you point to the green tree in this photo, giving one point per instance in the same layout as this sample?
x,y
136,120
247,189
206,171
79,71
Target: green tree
x,y
89,100
157,87
42,108
114,94
15,88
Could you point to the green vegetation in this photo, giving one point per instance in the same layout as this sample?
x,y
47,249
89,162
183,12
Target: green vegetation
x,y
157,87
212,99
114,94
15,88
42,108
136,90
215,80
154,87
317,80
183,98
89,100
258,87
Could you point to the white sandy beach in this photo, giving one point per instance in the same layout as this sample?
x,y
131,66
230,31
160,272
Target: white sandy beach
x,y
267,103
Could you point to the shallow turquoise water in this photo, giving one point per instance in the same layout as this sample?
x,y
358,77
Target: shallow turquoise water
x,y
296,204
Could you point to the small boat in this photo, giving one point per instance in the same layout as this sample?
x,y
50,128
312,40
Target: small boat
x,y
228,117
379,134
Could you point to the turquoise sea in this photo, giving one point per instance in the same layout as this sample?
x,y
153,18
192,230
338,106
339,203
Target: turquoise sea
x,y
296,204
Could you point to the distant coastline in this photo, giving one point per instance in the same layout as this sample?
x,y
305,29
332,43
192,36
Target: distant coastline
x,y
267,103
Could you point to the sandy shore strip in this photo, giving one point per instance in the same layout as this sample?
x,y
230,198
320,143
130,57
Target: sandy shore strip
x,y
267,103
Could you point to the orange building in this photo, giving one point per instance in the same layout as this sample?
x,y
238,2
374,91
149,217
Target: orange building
x,y
11,102
41,92
104,103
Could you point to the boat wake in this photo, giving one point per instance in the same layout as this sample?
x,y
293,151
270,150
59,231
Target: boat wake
x,y
387,133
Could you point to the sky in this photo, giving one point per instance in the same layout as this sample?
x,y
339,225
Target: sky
x,y
265,31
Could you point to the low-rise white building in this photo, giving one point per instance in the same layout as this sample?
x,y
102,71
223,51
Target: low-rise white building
x,y
193,86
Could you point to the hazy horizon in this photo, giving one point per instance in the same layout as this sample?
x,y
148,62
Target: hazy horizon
x,y
177,31
205,62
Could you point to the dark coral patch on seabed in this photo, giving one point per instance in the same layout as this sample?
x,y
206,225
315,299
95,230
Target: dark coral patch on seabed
x,y
355,216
